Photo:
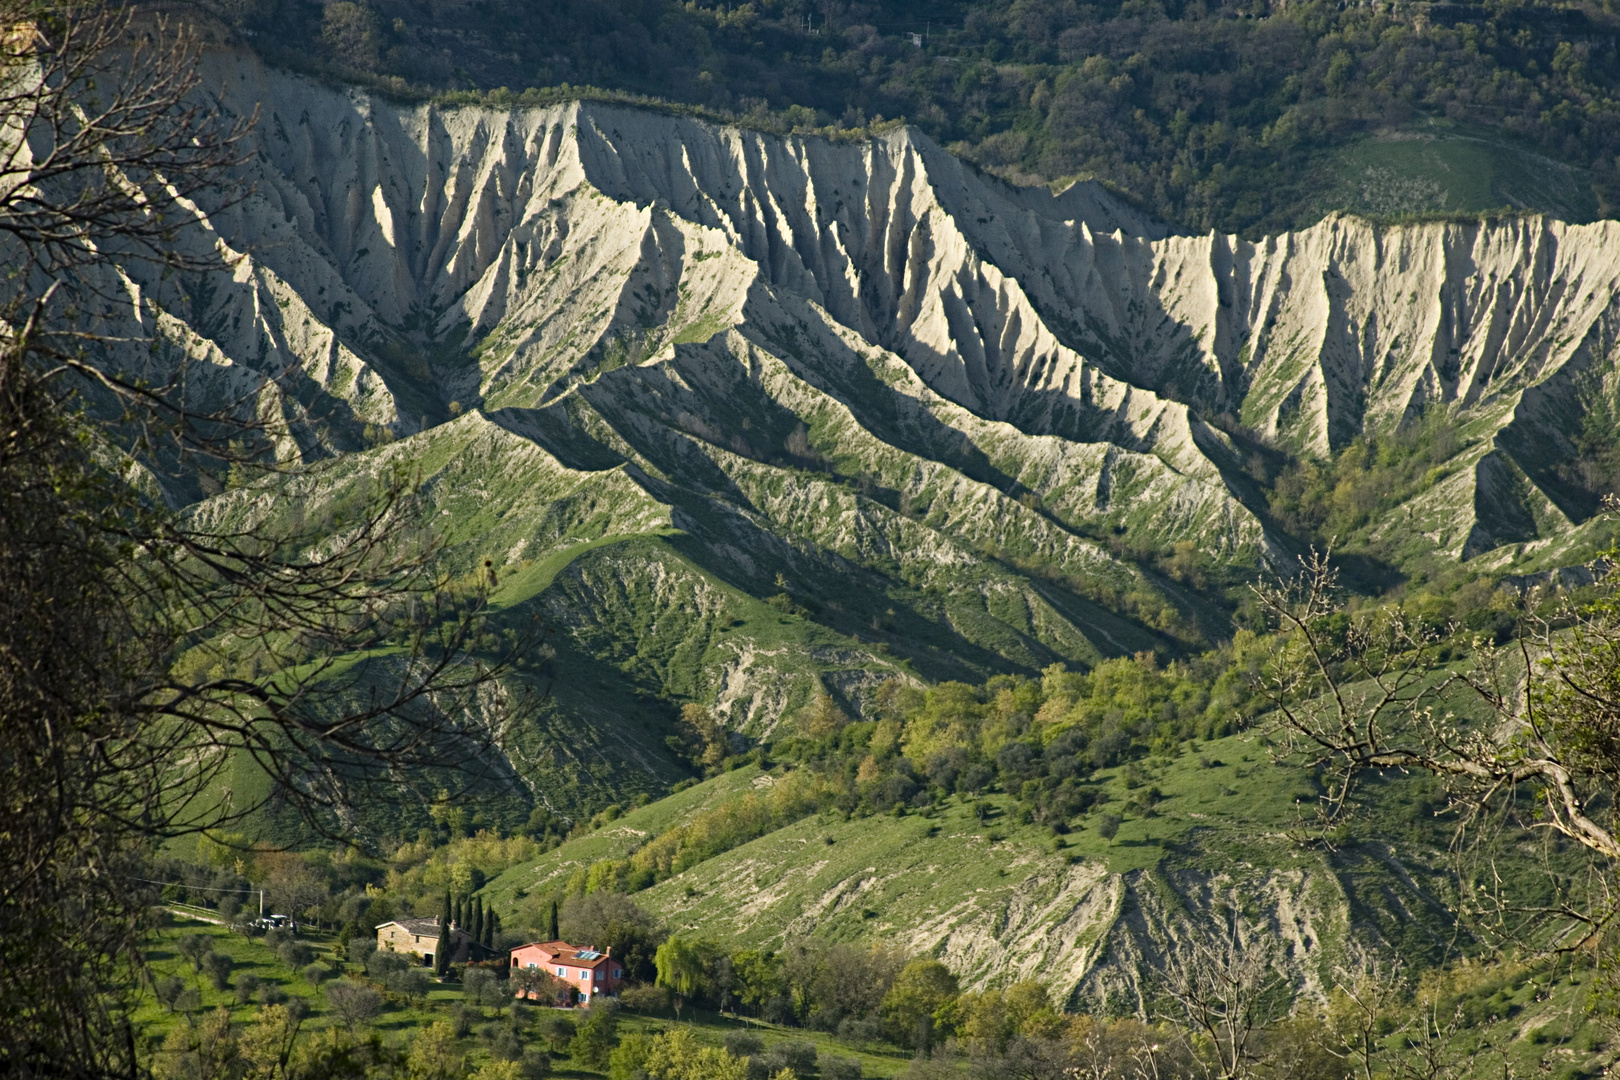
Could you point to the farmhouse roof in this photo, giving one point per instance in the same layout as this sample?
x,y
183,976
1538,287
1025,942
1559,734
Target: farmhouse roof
x,y
421,927
562,952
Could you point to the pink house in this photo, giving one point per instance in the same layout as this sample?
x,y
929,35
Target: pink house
x,y
585,969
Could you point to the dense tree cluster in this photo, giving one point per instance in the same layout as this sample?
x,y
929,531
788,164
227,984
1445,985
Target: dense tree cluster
x,y
1216,114
1042,741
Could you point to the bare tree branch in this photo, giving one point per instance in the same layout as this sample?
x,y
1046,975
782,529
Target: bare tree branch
x,y
1229,990
1525,736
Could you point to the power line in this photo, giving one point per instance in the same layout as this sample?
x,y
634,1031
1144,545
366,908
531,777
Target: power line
x,y
198,888
207,888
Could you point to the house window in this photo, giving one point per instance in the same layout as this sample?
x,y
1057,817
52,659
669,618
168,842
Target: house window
x,y
562,973
531,965
618,973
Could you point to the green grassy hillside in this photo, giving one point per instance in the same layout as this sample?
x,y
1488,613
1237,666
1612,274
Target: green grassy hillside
x,y
972,880
1443,168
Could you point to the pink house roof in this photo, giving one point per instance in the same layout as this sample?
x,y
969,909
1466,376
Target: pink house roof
x,y
561,952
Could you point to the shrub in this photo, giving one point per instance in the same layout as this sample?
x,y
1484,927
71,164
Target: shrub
x,y
412,983
503,1041
860,1029
628,1060
481,987
195,947
644,998
295,954
593,1043
558,1031
840,1068
743,1043
383,965
536,1064
798,1056
219,970
315,974
168,991
352,1003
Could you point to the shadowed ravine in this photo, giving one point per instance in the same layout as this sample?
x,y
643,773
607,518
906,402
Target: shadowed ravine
x,y
741,417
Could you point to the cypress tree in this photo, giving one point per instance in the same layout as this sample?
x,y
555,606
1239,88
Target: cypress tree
x,y
476,919
456,913
492,926
441,951
551,927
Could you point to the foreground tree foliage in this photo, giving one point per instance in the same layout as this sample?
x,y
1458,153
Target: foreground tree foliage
x,y
107,744
1526,735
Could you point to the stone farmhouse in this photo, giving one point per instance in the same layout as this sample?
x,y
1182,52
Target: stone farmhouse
x,y
589,972
420,937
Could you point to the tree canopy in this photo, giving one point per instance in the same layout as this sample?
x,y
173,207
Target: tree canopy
x,y
1230,115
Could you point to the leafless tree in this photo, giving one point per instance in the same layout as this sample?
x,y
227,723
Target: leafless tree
x,y
145,654
1359,1010
353,1003
1046,1058
103,138
1129,1049
1431,1051
1228,989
